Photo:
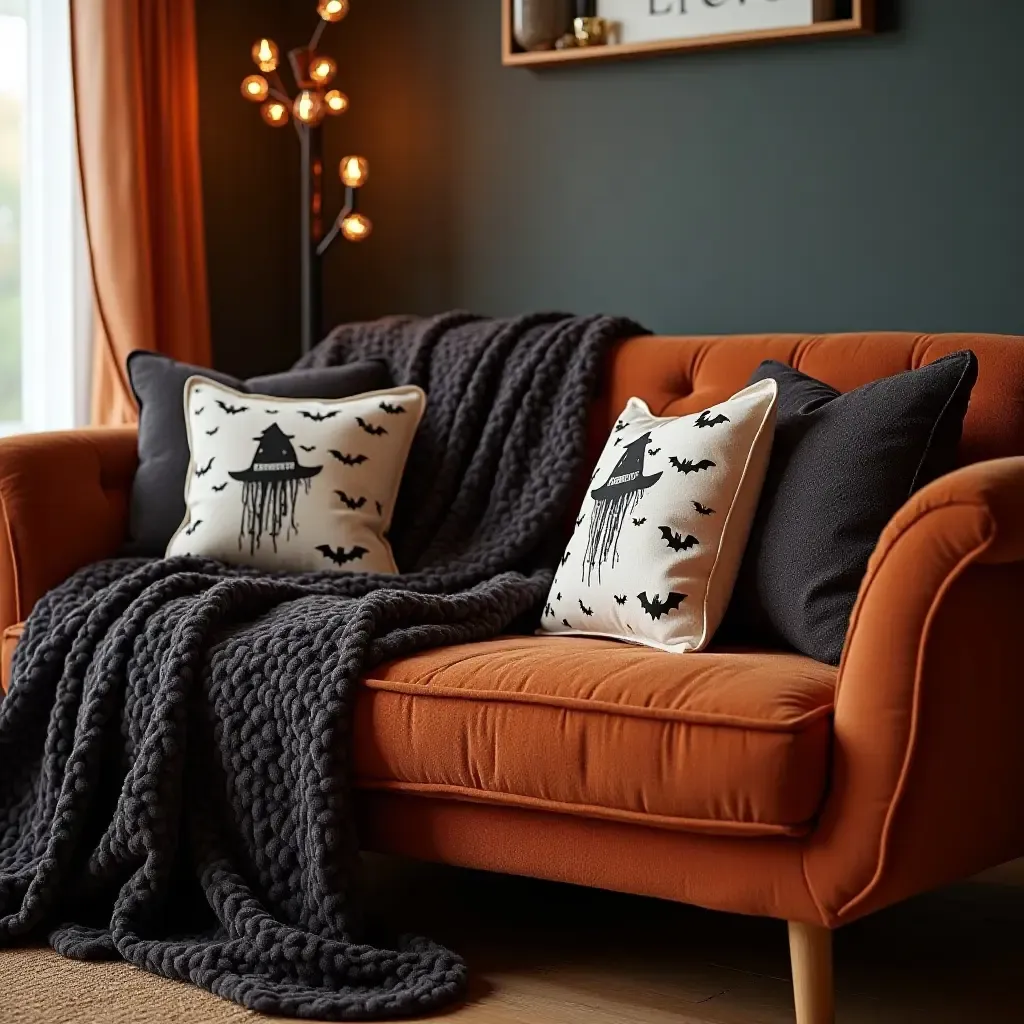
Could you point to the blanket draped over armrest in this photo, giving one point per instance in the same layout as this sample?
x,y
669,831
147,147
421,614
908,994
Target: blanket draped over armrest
x,y
175,784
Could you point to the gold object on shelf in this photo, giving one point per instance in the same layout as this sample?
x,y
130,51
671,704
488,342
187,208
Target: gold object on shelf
x,y
591,31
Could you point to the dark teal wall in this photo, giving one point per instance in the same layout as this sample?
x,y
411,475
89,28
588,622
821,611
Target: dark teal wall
x,y
250,188
866,183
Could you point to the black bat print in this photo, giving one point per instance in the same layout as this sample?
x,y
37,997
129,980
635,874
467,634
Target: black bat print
x,y
370,428
620,599
318,417
393,410
656,607
566,557
565,622
308,447
210,433
220,487
192,529
200,411
232,410
630,628
271,412
203,472
341,556
703,510
558,596
640,522
579,521
686,466
380,508
353,503
621,425
549,612
676,541
653,451
585,609
349,460
617,440
706,420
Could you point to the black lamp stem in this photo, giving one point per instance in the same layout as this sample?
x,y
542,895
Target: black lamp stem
x,y
311,142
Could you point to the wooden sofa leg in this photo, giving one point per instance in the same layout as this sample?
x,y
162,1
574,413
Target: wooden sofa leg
x,y
810,951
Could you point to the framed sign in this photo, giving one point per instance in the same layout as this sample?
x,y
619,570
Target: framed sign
x,y
644,21
647,28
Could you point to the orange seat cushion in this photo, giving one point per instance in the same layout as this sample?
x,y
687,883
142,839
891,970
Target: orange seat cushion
x,y
727,743
730,743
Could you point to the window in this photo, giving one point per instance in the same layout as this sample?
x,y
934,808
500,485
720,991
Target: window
x,y
42,297
13,87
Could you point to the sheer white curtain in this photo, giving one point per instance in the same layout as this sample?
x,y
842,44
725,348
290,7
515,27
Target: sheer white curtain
x,y
54,293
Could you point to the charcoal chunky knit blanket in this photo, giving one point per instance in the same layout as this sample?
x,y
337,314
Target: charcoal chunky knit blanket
x,y
174,776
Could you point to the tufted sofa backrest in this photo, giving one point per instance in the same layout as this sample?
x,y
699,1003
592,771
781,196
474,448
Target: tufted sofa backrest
x,y
679,376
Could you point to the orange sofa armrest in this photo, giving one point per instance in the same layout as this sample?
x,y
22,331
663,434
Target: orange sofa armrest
x,y
927,773
63,504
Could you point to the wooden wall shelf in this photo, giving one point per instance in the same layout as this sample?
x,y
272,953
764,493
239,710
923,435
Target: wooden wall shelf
x,y
861,22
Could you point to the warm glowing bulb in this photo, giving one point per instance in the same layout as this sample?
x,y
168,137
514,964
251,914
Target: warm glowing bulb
x,y
309,107
337,101
332,10
322,69
255,88
274,113
354,171
355,227
265,54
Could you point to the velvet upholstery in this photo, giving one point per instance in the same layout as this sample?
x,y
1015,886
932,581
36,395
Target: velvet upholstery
x,y
731,743
496,758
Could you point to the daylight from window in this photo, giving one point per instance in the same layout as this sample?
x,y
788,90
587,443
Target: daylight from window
x,y
13,51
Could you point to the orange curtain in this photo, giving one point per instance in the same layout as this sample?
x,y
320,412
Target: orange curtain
x,y
137,116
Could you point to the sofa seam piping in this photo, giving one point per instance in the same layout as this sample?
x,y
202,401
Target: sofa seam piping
x,y
798,727
597,812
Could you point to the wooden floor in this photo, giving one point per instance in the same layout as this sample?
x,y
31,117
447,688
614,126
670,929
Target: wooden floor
x,y
550,954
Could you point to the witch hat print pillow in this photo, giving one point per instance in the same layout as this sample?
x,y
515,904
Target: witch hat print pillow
x,y
294,485
660,536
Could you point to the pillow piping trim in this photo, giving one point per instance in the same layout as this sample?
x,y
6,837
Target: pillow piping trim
x,y
769,413
966,357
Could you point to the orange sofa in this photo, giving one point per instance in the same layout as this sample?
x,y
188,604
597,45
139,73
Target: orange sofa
x,y
753,782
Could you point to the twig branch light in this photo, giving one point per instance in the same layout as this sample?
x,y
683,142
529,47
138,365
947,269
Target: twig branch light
x,y
313,102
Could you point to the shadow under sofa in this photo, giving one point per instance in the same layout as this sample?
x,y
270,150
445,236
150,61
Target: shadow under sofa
x,y
752,782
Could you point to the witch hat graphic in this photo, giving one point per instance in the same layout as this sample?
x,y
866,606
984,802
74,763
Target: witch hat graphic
x,y
614,500
271,488
275,459
628,475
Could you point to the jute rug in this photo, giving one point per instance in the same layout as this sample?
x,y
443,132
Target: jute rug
x,y
39,987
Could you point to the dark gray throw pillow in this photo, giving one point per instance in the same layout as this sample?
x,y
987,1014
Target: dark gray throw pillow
x,y
158,492
841,467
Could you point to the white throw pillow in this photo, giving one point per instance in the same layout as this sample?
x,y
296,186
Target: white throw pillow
x,y
294,485
661,533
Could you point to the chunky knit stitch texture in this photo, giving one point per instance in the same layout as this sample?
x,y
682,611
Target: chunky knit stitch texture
x,y
174,752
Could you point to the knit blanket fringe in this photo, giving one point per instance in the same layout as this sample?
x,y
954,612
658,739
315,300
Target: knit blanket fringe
x,y
175,781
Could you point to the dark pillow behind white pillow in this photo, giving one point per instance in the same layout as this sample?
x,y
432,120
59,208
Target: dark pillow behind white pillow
x,y
157,502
